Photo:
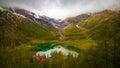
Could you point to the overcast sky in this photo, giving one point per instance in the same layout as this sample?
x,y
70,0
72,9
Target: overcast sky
x,y
60,9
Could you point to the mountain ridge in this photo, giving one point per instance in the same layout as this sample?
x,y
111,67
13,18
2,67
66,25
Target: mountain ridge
x,y
22,29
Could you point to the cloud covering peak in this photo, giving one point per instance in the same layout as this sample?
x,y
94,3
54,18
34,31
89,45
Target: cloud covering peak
x,y
60,9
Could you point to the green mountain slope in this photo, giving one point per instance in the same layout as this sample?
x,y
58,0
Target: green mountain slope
x,y
16,29
77,18
104,28
99,22
73,32
98,18
104,24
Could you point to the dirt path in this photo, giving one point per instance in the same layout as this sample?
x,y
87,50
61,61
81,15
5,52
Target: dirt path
x,y
61,34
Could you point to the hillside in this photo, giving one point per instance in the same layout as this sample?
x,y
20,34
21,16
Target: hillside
x,y
16,29
105,20
73,32
44,20
98,18
78,18
83,41
104,28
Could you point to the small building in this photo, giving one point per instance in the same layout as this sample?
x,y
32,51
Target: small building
x,y
41,57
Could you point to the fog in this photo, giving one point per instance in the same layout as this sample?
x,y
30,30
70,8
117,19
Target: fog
x,y
61,9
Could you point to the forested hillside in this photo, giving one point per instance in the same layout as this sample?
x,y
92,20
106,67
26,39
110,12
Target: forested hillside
x,y
104,28
95,39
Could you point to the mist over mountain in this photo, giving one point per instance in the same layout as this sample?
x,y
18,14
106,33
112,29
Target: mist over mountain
x,y
42,20
60,9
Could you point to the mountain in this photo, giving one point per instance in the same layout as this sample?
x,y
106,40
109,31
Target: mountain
x,y
16,29
77,18
92,25
37,18
50,21
97,18
93,40
73,32
104,22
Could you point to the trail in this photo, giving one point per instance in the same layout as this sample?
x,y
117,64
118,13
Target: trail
x,y
61,34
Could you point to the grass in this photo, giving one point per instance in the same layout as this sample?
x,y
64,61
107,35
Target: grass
x,y
82,43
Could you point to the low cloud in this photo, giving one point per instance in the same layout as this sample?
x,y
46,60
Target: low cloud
x,y
62,8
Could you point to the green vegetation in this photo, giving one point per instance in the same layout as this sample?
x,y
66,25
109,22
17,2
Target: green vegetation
x,y
83,44
106,32
98,37
15,30
23,57
72,32
98,18
47,46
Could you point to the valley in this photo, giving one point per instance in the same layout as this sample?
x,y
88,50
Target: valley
x,y
28,40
